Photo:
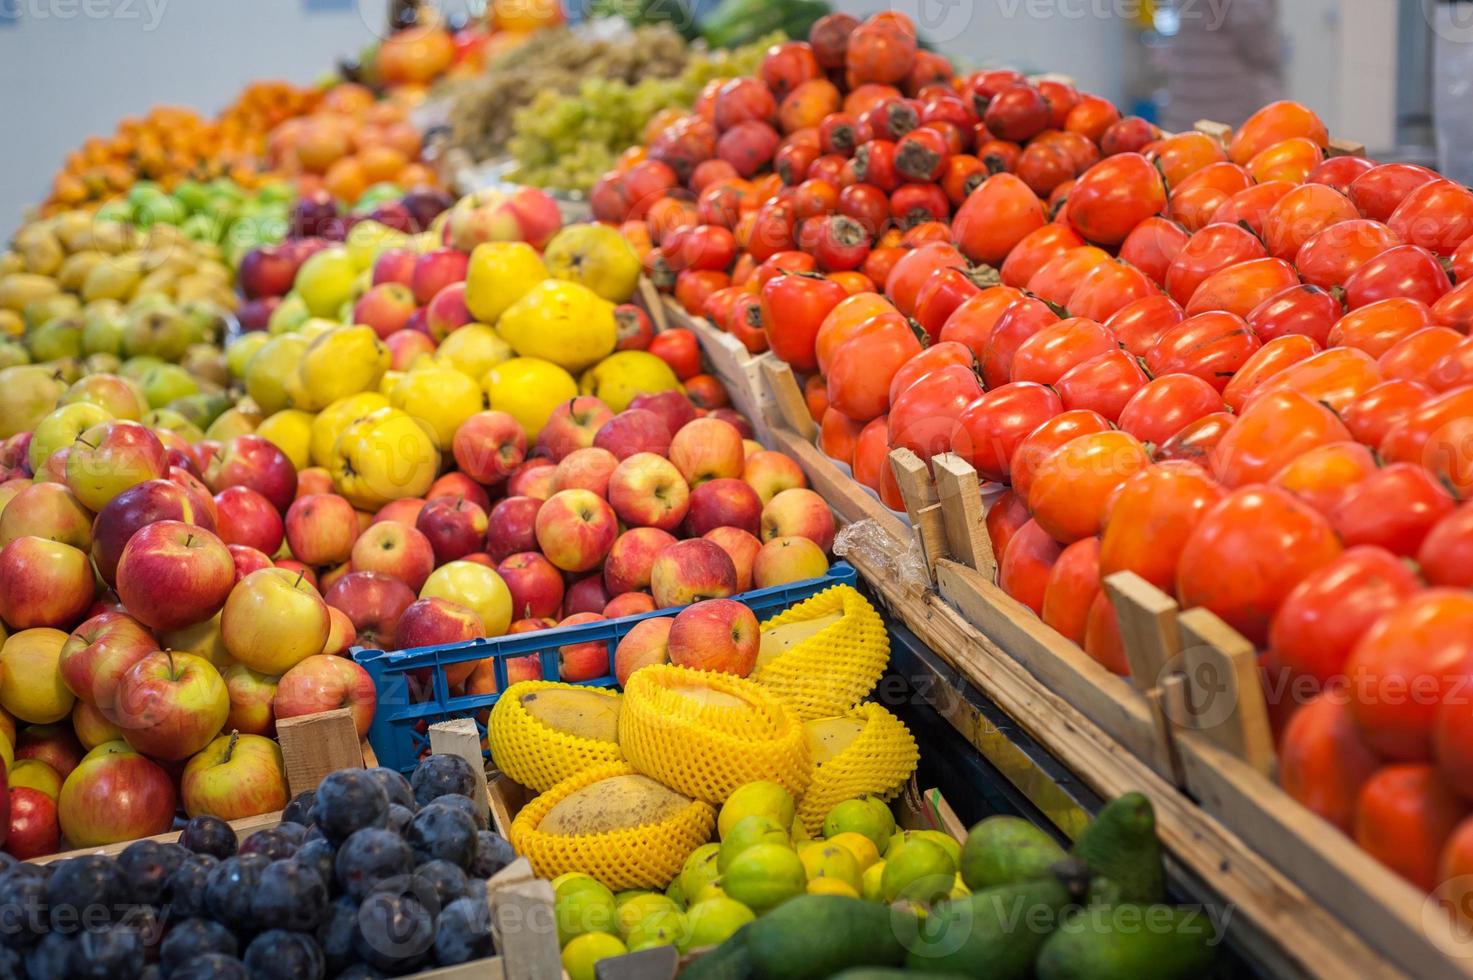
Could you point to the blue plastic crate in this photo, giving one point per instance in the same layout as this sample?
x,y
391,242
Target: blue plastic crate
x,y
399,734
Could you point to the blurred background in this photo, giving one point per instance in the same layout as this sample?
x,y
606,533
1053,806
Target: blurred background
x,y
72,68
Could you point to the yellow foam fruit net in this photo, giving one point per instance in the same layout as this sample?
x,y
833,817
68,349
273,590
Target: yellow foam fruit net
x,y
538,755
875,756
645,856
824,655
705,733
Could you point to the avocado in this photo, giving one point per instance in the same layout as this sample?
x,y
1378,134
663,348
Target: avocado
x,y
1005,851
729,961
1129,942
816,936
1120,844
994,933
887,973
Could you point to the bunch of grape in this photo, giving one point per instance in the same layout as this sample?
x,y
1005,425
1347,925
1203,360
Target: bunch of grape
x,y
569,141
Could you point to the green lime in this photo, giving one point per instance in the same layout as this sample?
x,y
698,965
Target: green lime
x,y
823,859
762,797
640,907
714,920
663,928
859,817
584,951
700,869
763,876
582,905
749,832
920,870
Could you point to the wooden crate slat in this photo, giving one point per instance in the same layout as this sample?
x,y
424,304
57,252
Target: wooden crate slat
x,y
312,746
459,737
960,495
1221,675
788,399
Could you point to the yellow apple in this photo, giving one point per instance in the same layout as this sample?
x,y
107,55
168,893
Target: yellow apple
x,y
273,619
332,420
61,428
475,586
37,775
237,421
440,396
325,281
202,639
31,687
384,456
242,349
620,377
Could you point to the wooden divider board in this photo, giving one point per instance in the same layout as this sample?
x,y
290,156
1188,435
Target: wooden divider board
x,y
312,746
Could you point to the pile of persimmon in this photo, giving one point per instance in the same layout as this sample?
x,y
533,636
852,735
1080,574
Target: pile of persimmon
x,y
1239,369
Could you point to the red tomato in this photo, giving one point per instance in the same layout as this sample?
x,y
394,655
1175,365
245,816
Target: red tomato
x,y
838,435
1114,196
793,307
998,215
1196,440
679,349
1404,816
1454,369
1267,361
1150,517
1211,346
1323,763
1335,377
1021,320
1248,552
1416,354
1405,665
1379,190
1072,585
1199,196
1166,405
1446,555
1044,440
862,368
1438,216
1105,383
1373,414
1393,508
1137,326
1023,572
1322,476
1376,327
1036,249
1107,288
1071,486
1004,517
1251,206
1048,354
1275,123
924,415
1329,256
1210,250
1153,246
989,430
1301,310
1327,613
1455,307
1057,279
911,272
1275,427
1405,271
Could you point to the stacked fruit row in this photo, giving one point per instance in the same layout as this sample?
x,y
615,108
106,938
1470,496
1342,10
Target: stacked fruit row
x,y
1240,370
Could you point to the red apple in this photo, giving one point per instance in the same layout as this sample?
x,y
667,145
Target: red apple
x,y
273,619
582,661
708,449
251,693
34,829
255,462
629,604
44,583
633,431
488,446
255,314
536,585
723,503
297,568
111,457
386,308
673,408
395,549
647,490
533,478
321,529
799,512
234,777
98,653
512,526
92,726
139,506
173,575
314,479
170,705
433,621
784,560
374,602
647,642
572,425
341,636
575,529
455,484
586,595
266,270
394,265
46,510
632,558
406,347
585,469
718,634
324,683
455,527
248,559
482,680
446,311
689,571
742,547
55,744
735,419
197,491
404,511
246,517
433,271
770,473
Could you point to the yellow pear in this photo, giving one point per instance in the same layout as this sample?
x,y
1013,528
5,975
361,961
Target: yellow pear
x,y
596,256
439,396
562,322
242,349
27,393
383,456
473,349
268,372
339,363
20,288
498,275
231,423
332,420
117,278
618,378
75,269
290,430
528,389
